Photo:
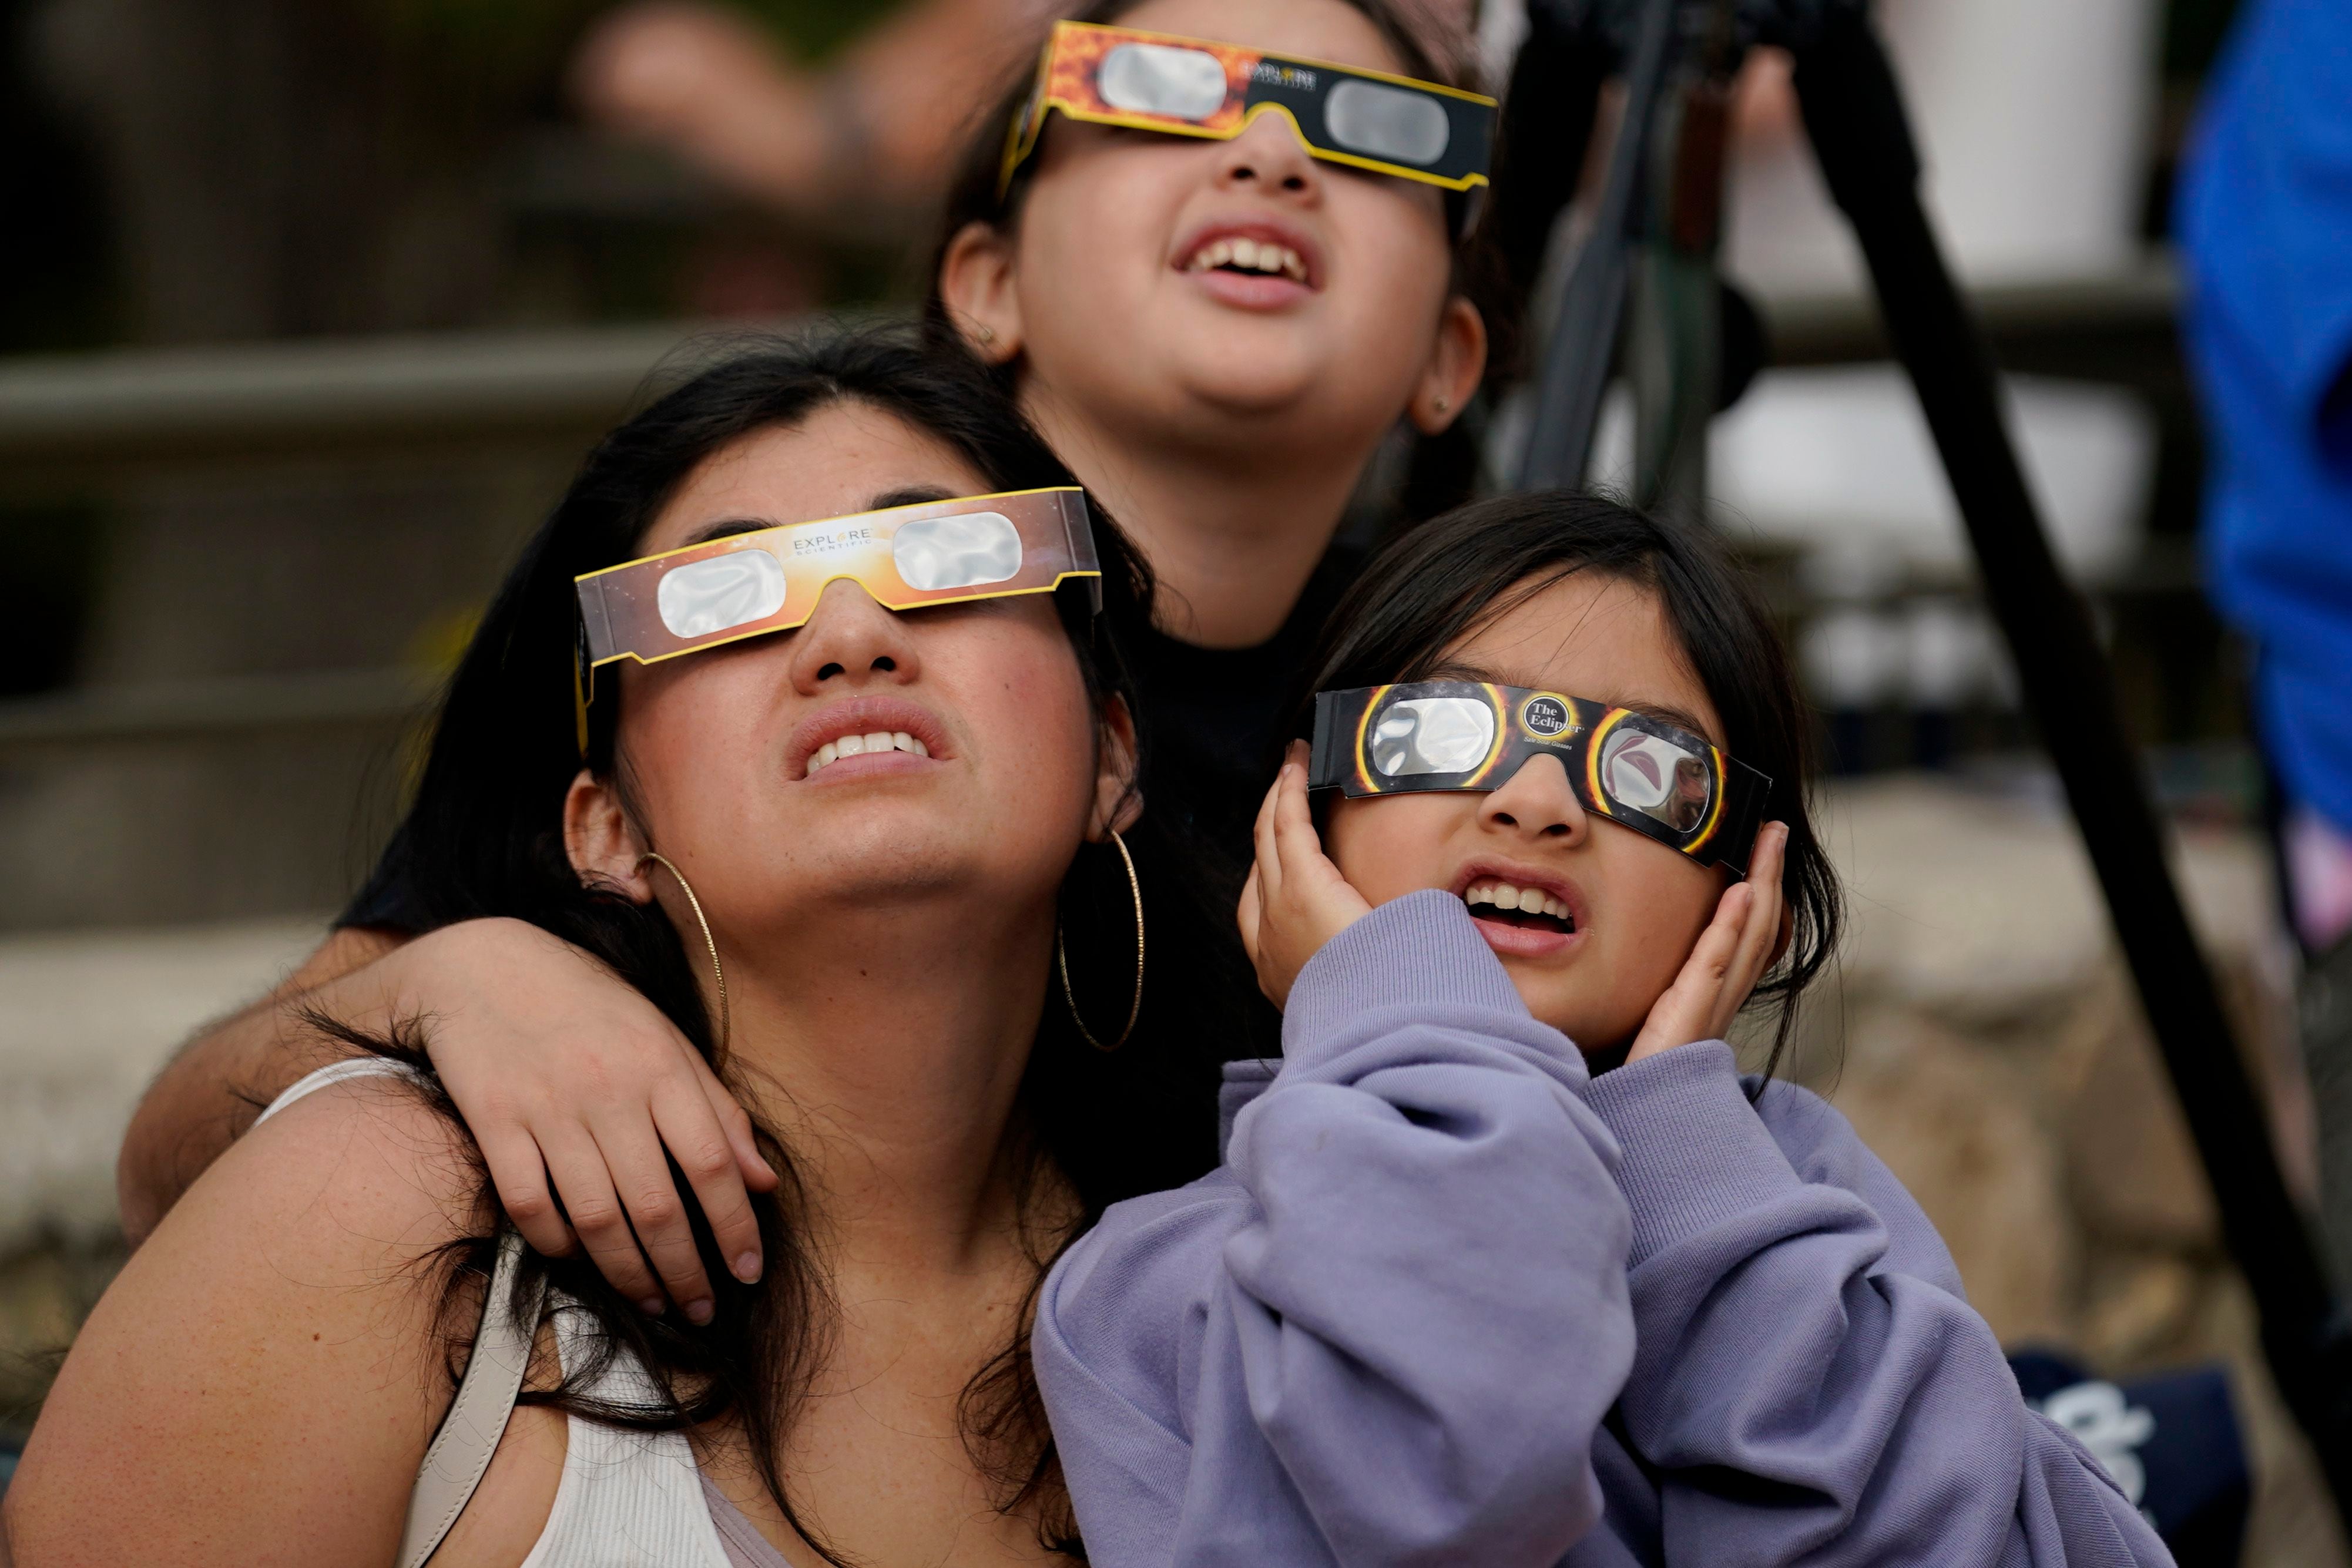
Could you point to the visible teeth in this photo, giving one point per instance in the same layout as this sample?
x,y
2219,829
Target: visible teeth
x,y
864,745
1254,256
1533,900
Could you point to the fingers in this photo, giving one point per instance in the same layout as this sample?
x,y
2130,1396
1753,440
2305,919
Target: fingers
x,y
585,1182
1712,955
1298,847
696,1140
1760,930
1269,857
1251,912
641,1176
519,1176
1686,1011
758,1175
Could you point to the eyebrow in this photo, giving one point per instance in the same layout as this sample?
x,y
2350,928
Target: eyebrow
x,y
1661,712
726,527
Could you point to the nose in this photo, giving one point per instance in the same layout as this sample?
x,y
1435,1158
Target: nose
x,y
1537,805
851,643
1270,159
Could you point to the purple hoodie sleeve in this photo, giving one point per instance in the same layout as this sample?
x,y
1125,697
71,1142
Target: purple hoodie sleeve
x,y
1386,1330
1811,1384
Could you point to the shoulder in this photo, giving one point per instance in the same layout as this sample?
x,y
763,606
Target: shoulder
x,y
1144,1245
265,1372
370,1150
1127,1296
337,1206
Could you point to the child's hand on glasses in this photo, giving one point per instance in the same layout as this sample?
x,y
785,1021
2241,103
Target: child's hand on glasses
x,y
578,1088
1296,900
1731,956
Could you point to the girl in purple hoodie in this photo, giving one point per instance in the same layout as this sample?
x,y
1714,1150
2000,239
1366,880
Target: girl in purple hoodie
x,y
1505,1263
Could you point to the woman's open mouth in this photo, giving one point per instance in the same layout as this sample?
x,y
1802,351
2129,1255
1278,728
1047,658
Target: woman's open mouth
x,y
864,745
862,736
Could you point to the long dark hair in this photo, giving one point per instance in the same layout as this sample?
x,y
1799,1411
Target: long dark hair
x,y
1432,588
484,838
972,196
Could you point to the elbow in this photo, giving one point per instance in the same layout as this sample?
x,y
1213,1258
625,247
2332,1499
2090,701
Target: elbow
x,y
141,1190
153,1168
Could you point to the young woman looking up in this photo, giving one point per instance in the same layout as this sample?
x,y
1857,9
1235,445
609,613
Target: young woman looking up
x,y
865,948
1225,419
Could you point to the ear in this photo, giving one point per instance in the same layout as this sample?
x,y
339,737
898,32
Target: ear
x,y
1117,803
1457,360
977,276
603,846
1780,942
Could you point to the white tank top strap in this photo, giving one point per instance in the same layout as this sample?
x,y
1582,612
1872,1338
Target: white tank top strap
x,y
461,1451
626,1499
337,1073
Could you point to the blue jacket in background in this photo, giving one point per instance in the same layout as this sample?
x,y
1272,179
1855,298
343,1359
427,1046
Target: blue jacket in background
x,y
2265,218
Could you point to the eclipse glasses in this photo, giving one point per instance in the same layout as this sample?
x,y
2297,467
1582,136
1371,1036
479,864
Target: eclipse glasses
x,y
768,580
1659,779
1185,87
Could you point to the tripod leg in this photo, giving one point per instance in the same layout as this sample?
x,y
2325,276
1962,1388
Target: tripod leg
x,y
2325,1008
1584,339
1673,345
1546,130
1854,116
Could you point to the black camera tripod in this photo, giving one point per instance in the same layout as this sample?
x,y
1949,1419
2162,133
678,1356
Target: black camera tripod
x,y
1657,210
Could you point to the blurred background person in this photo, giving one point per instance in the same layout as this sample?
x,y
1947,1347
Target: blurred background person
x,y
858,140
863,139
2265,223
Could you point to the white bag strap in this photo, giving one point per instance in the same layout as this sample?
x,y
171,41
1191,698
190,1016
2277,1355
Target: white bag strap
x,y
469,1434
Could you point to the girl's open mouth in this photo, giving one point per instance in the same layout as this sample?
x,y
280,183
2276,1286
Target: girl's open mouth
x,y
1247,257
1524,909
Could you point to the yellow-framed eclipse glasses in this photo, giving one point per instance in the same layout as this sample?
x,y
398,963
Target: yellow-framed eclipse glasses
x,y
768,580
1624,766
1418,130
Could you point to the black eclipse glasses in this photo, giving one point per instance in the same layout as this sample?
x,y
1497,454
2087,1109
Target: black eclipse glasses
x,y
1659,779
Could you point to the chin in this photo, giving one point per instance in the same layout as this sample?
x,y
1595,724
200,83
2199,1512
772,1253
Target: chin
x,y
1264,390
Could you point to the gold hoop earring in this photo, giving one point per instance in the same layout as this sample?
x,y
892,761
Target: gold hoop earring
x,y
717,974
1062,957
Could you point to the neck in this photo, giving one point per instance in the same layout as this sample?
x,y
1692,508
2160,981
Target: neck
x,y
1232,526
886,1043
